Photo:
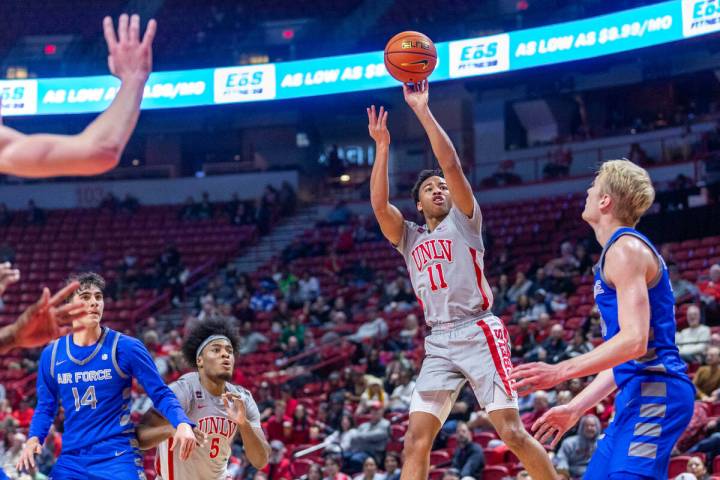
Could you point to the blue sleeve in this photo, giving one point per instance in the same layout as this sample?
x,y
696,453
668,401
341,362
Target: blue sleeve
x,y
46,390
134,359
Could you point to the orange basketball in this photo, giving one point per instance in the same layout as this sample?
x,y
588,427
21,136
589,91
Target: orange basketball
x,y
410,57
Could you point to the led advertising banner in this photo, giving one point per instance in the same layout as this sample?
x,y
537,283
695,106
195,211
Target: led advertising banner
x,y
563,42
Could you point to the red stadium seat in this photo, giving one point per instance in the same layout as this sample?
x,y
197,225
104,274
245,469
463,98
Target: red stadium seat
x,y
678,465
495,472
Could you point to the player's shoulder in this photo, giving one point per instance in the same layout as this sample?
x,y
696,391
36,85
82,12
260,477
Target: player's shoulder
x,y
629,250
190,378
415,228
237,389
47,349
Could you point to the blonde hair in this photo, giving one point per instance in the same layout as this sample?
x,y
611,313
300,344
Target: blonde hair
x,y
630,187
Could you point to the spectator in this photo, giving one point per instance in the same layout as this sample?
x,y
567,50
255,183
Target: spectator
x,y
263,300
300,426
189,210
274,425
538,304
523,341
392,466
314,473
638,155
343,436
130,204
332,469
520,287
340,214
522,308
5,216
278,467
697,467
451,474
250,339
592,328
373,396
376,329
541,404
370,471
683,291
23,414
11,456
566,265
370,439
693,340
585,263
710,291
402,394
36,215
707,377
554,345
468,458
204,210
579,346
264,401
574,454
309,287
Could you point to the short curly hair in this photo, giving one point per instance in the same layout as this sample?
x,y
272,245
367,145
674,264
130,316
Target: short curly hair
x,y
200,332
422,176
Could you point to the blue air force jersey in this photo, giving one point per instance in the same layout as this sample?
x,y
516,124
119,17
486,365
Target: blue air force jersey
x,y
662,357
92,383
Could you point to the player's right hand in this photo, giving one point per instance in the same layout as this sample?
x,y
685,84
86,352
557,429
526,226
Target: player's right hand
x,y
377,125
128,57
27,457
558,420
184,440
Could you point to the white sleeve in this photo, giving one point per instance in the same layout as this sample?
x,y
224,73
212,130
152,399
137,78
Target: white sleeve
x,y
410,233
469,227
183,392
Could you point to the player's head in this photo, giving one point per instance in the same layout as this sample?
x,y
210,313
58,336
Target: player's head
x,y
621,190
90,294
210,347
431,194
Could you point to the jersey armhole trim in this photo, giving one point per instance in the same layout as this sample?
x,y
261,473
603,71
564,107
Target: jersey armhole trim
x,y
114,356
53,356
660,263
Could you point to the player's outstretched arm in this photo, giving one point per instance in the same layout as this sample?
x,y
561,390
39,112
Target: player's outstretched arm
x,y
43,321
256,446
98,148
460,190
626,266
557,421
388,216
154,429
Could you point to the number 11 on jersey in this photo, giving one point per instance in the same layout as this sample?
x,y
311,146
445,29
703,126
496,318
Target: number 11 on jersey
x,y
433,285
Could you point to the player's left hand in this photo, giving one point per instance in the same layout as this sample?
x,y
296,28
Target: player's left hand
x,y
184,440
235,408
531,377
8,276
44,320
417,95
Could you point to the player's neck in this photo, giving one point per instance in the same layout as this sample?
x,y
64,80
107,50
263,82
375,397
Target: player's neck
x,y
87,336
214,387
605,228
433,222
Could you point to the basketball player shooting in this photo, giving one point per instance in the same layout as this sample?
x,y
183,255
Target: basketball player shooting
x,y
219,409
445,260
639,357
89,374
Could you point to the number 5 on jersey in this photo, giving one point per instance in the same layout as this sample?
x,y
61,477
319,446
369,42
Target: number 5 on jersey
x,y
215,447
441,277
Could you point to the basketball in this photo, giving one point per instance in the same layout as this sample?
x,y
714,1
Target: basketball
x,y
410,57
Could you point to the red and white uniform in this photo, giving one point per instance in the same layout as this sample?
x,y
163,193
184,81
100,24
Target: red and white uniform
x,y
467,343
208,413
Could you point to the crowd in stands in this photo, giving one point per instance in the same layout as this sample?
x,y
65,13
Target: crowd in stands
x,y
331,341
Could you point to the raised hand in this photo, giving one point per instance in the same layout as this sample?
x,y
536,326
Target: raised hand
x,y
44,320
8,276
555,422
417,95
235,408
128,57
377,126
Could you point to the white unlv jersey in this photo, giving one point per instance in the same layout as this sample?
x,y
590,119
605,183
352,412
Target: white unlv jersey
x,y
446,268
208,413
